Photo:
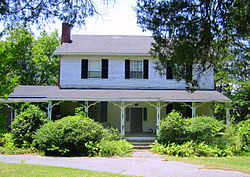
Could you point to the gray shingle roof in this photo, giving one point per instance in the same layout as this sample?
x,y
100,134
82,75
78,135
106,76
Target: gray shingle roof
x,y
44,93
106,44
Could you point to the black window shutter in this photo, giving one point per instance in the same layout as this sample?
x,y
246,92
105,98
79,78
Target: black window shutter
x,y
104,111
169,73
189,71
145,115
169,108
105,68
127,69
145,69
188,110
84,69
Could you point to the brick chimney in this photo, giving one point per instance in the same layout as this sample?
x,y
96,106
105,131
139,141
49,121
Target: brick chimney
x,y
65,33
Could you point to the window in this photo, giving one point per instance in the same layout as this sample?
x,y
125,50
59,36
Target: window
x,y
94,69
136,69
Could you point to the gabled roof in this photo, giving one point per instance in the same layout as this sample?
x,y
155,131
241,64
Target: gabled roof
x,y
106,45
45,93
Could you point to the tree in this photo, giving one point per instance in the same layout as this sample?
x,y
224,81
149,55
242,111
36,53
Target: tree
x,y
40,11
27,61
8,80
45,62
188,32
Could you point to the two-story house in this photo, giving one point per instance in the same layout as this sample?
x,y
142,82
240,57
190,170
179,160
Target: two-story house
x,y
114,79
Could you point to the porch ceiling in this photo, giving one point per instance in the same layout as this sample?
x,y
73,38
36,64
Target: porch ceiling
x,y
44,93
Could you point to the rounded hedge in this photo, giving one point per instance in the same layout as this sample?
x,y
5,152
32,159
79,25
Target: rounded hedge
x,y
172,128
26,124
72,135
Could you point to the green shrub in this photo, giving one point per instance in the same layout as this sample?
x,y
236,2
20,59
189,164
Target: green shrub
x,y
114,147
203,128
112,134
183,150
243,130
72,135
172,128
232,140
203,149
190,149
26,124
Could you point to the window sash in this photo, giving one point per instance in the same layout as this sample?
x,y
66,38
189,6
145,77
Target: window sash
x,y
94,69
136,69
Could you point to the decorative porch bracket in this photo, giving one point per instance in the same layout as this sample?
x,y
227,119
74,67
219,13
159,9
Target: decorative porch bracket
x,y
50,107
87,106
122,106
194,107
158,107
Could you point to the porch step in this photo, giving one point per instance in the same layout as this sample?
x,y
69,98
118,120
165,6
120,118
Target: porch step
x,y
141,144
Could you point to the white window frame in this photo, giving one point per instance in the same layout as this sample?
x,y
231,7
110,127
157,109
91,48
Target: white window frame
x,y
94,72
133,69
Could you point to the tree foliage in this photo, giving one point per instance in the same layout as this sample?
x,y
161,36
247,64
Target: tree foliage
x,y
40,11
26,60
190,32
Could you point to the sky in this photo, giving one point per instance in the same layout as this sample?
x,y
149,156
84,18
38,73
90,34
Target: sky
x,y
118,18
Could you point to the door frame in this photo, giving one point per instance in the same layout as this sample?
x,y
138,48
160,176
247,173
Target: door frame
x,y
132,120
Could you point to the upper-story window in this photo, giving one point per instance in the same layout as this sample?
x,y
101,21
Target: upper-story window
x,y
94,68
136,69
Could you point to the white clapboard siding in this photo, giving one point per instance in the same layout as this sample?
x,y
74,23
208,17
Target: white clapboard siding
x,y
70,75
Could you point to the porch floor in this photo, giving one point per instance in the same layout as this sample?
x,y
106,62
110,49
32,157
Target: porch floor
x,y
140,136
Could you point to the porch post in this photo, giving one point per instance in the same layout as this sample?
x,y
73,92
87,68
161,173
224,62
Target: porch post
x,y
122,119
158,116
86,107
193,109
11,115
49,110
227,114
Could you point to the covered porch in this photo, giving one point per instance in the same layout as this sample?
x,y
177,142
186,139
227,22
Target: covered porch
x,y
136,113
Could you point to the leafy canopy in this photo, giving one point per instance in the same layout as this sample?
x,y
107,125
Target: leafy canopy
x,y
188,32
40,11
26,60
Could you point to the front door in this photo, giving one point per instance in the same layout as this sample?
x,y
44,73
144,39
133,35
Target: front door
x,y
136,120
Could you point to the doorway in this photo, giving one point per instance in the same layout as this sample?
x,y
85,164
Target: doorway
x,y
136,120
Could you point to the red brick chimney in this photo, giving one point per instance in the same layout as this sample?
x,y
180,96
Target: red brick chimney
x,y
65,33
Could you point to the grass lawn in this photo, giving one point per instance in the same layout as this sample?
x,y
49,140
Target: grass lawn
x,y
8,169
235,163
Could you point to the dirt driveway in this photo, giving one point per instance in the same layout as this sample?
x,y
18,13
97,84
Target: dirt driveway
x,y
141,163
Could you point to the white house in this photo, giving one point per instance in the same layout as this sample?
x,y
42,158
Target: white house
x,y
114,79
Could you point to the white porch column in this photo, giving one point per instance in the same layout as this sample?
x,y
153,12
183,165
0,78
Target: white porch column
x,y
122,118
49,110
11,115
86,107
227,114
193,109
158,116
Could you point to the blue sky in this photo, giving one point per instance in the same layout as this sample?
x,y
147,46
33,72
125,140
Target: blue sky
x,y
117,19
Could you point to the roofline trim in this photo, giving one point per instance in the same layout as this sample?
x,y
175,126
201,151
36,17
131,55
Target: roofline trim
x,y
112,54
136,100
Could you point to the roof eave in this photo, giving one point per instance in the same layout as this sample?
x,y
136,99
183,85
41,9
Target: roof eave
x,y
101,54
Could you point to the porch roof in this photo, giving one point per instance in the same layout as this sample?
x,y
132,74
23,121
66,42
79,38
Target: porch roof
x,y
44,93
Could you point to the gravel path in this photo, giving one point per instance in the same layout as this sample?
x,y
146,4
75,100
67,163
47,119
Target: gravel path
x,y
141,163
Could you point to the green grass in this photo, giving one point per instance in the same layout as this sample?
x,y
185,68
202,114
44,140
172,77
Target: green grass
x,y
7,169
235,163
